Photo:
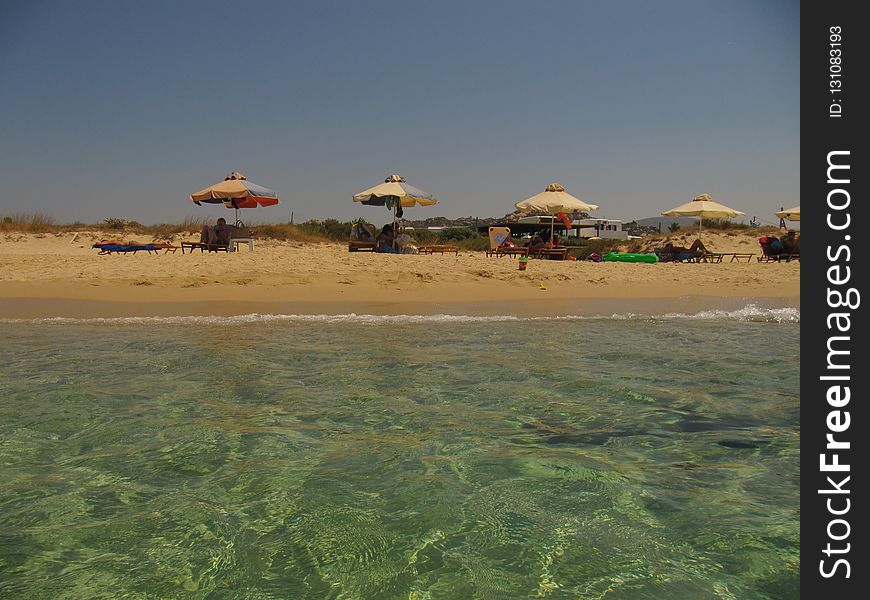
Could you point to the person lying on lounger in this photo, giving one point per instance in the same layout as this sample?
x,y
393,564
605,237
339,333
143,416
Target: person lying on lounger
x,y
696,249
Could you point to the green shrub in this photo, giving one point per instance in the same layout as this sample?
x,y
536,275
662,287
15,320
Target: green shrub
x,y
600,246
457,234
330,229
113,223
724,224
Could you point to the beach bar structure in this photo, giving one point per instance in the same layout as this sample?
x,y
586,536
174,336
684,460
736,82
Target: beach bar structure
x,y
610,229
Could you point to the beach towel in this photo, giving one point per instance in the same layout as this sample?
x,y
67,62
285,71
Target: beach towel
x,y
362,231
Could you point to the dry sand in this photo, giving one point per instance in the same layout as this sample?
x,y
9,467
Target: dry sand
x,y
62,275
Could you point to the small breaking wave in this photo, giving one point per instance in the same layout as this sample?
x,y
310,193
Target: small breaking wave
x,y
749,313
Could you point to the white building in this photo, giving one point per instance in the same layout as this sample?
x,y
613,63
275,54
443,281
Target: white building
x,y
610,229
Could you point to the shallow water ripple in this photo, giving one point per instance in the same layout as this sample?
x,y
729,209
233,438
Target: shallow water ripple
x,y
353,459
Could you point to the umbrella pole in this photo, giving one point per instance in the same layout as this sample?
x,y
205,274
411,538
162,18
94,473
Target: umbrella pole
x,y
395,222
552,227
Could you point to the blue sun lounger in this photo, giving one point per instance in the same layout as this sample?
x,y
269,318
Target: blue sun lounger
x,y
113,248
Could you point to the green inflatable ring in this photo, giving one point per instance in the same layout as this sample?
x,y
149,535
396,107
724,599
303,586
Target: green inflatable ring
x,y
628,257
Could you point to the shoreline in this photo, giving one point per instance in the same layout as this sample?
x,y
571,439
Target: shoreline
x,y
78,308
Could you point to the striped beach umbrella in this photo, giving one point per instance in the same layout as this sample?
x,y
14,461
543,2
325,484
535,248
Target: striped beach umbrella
x,y
235,191
395,193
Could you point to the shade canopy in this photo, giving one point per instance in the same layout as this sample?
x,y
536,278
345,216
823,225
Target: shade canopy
x,y
792,214
395,188
235,191
554,199
705,207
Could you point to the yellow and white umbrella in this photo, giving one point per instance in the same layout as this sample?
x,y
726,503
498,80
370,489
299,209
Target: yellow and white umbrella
x,y
703,207
553,200
792,214
395,193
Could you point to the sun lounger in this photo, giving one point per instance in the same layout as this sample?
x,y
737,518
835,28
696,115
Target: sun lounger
x,y
691,257
440,248
362,237
202,247
516,251
773,250
166,247
127,247
237,235
708,257
551,253
701,257
360,246
739,256
124,248
501,244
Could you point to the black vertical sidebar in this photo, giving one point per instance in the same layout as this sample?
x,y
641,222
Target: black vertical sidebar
x,y
835,240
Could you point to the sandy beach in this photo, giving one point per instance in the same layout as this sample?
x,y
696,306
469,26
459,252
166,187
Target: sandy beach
x,y
61,275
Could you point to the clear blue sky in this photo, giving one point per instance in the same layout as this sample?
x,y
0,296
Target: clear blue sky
x,y
122,109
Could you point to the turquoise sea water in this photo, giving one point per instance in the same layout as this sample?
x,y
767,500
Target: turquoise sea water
x,y
399,457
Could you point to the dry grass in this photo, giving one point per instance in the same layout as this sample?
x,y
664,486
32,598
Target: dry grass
x,y
326,231
685,237
291,232
33,222
114,228
168,231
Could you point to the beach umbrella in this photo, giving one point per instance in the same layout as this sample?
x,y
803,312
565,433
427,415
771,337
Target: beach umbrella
x,y
395,193
554,200
235,191
703,207
792,214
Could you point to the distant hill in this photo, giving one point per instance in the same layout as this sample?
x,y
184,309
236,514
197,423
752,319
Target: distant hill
x,y
665,222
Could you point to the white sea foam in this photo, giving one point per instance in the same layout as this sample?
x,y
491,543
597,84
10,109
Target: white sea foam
x,y
749,313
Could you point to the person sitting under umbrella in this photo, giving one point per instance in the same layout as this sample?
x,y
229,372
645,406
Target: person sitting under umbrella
x,y
385,242
791,243
536,244
219,235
